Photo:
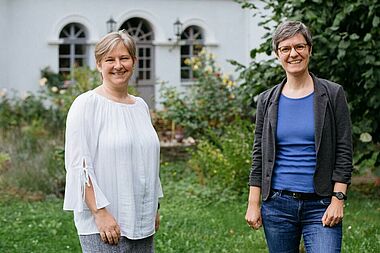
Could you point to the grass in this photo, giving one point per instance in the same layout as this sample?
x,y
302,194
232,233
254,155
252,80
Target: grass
x,y
194,219
36,226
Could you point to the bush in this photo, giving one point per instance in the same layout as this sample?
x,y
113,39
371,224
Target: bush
x,y
224,161
32,131
211,102
28,157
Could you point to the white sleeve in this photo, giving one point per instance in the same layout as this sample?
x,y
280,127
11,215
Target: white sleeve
x,y
159,186
78,160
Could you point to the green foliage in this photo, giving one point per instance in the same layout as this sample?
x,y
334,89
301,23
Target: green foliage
x,y
32,134
19,111
52,79
30,165
224,161
61,94
32,129
346,51
56,170
5,160
49,106
210,102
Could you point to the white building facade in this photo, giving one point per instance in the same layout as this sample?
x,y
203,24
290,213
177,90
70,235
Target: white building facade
x,y
62,34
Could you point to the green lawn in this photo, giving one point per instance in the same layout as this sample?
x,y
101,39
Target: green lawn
x,y
189,223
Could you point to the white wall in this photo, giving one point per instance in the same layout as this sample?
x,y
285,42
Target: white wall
x,y
4,58
31,29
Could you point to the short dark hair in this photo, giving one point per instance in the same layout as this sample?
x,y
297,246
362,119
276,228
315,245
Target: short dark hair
x,y
289,29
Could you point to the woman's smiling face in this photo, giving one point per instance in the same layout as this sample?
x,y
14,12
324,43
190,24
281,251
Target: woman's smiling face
x,y
117,66
295,58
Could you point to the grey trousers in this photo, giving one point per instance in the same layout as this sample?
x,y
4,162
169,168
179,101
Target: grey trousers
x,y
94,244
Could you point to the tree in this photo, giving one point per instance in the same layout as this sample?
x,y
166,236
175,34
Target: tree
x,y
346,50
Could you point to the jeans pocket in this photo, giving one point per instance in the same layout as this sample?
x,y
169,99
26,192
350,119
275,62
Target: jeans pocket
x,y
325,201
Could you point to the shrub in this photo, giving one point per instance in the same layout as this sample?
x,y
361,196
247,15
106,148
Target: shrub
x,y
32,130
28,166
223,161
211,102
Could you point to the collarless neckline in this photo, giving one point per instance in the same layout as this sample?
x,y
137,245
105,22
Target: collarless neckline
x,y
300,98
113,101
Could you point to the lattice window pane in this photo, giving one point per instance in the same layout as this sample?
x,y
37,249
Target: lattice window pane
x,y
185,73
141,31
64,49
79,49
192,37
185,50
78,62
64,63
73,50
141,52
141,75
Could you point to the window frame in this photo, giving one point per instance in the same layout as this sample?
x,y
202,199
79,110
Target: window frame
x,y
73,35
191,38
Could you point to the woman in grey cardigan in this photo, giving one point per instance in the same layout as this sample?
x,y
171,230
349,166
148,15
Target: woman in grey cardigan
x,y
302,154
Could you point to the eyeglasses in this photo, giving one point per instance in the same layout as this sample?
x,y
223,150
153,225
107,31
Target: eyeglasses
x,y
298,47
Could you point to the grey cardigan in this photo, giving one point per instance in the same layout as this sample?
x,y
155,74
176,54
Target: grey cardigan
x,y
333,139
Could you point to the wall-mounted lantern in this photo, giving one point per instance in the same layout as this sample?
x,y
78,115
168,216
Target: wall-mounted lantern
x,y
111,23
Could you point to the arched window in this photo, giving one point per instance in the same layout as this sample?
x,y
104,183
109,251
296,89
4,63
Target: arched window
x,y
192,43
143,78
73,51
143,34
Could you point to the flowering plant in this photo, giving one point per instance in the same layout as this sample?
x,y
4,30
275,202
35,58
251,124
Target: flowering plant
x,y
210,102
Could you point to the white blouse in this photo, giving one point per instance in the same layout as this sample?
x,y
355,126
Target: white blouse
x,y
116,146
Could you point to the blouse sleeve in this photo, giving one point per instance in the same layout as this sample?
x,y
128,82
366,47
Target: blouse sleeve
x,y
160,192
78,161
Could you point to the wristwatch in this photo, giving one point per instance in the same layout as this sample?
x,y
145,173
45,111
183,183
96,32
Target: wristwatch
x,y
340,195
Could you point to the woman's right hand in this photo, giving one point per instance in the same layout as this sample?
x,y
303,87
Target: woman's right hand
x,y
107,225
253,216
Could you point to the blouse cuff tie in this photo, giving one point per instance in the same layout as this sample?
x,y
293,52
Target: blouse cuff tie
x,y
85,179
75,194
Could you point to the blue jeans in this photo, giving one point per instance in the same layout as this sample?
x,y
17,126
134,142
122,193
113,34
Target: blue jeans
x,y
286,219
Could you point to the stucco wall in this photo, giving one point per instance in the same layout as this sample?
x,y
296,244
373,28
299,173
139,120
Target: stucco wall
x,y
3,44
32,28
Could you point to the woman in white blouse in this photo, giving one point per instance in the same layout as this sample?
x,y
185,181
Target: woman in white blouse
x,y
112,156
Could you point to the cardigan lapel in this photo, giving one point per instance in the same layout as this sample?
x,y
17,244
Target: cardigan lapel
x,y
320,105
273,107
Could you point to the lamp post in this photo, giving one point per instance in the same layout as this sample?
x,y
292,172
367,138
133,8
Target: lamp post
x,y
111,25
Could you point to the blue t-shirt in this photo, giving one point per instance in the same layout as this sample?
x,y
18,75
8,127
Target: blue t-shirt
x,y
295,156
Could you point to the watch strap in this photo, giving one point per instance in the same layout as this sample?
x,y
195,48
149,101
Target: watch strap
x,y
340,195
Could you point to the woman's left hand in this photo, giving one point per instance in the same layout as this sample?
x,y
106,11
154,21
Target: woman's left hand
x,y
334,213
157,221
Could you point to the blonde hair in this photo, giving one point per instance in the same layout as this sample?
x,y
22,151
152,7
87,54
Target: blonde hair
x,y
111,40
